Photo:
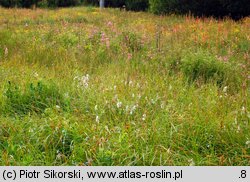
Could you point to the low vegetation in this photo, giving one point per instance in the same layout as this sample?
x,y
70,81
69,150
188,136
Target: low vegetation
x,y
84,86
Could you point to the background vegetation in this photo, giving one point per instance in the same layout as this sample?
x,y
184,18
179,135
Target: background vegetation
x,y
217,8
84,86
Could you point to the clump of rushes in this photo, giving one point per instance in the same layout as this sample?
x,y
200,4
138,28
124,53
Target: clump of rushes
x,y
35,98
202,67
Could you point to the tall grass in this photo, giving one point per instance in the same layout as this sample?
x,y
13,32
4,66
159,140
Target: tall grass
x,y
80,86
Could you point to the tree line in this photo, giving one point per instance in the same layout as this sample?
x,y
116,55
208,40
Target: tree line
x,y
217,8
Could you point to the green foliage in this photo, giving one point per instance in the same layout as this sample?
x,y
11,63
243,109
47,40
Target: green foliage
x,y
61,142
18,3
136,5
39,3
35,98
204,67
131,41
162,6
42,4
65,3
217,8
9,3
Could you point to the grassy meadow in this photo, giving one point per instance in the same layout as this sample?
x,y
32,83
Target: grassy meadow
x,y
84,86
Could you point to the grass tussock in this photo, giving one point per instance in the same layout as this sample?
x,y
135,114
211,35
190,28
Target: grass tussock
x,y
34,98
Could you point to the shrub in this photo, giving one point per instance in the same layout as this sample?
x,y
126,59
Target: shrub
x,y
218,8
205,67
10,3
90,2
52,3
34,98
136,5
65,3
42,4
162,6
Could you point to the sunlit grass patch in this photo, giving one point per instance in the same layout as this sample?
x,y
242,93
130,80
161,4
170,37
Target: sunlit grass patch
x,y
35,98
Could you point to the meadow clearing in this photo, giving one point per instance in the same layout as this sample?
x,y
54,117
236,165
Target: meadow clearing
x,y
84,86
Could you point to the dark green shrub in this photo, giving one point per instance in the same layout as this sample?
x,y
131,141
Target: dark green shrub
x,y
65,3
114,3
18,3
52,3
10,3
163,6
28,3
90,2
33,99
136,5
204,67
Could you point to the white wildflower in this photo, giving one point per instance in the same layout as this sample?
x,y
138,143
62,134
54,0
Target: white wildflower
x,y
143,117
225,89
36,74
97,119
238,129
248,144
82,81
66,95
6,51
130,83
107,129
169,151
162,105
85,81
119,104
191,162
96,107
132,109
127,108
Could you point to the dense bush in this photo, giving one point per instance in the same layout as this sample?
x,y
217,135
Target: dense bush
x,y
18,3
42,3
217,8
136,5
163,6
